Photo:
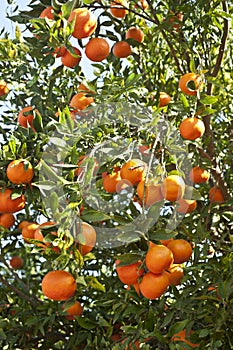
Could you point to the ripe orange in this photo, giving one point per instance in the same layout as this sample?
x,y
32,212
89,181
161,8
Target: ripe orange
x,y
16,262
181,337
59,51
69,60
7,220
188,78
133,171
158,258
80,101
215,195
29,231
85,22
153,285
121,49
181,250
47,12
135,33
173,187
3,88
129,274
199,175
9,205
20,171
166,241
175,274
192,128
110,182
58,285
144,4
22,224
176,18
153,192
86,238
164,99
25,118
39,236
186,205
97,49
118,8
74,310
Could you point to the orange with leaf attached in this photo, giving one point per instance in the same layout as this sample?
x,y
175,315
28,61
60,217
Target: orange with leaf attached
x,y
20,171
85,22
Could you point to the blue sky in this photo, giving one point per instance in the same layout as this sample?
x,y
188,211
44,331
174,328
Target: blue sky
x,y
4,22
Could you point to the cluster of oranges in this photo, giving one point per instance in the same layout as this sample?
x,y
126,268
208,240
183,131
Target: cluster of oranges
x,y
160,268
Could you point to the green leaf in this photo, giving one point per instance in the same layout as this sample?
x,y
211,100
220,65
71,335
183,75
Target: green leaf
x,y
68,7
37,122
178,326
86,323
93,215
208,100
129,258
95,284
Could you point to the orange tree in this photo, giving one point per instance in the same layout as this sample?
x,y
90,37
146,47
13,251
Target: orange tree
x,y
158,113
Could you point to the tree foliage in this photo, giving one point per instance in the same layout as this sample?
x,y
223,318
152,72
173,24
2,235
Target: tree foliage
x,y
125,116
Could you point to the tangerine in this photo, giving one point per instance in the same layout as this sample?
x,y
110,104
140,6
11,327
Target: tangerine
x,y
133,171
22,224
129,274
199,175
121,49
48,12
80,101
152,286
7,220
188,78
74,310
215,195
181,337
173,188
118,8
3,88
186,205
164,99
16,262
175,274
181,250
69,60
97,49
25,118
20,171
135,33
86,237
58,285
158,258
9,205
28,231
192,128
85,22
39,236
153,192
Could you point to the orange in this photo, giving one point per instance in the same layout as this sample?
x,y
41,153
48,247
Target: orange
x,y
188,78
20,171
158,258
113,183
16,262
3,88
25,118
153,192
181,250
74,310
181,337
215,195
164,99
58,285
59,51
69,60
199,175
85,22
173,187
135,33
175,274
81,101
29,231
144,149
133,171
97,49
22,224
186,205
118,8
7,220
192,128
121,49
47,12
9,205
129,274
86,237
152,285
144,4
174,20
166,241
39,236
